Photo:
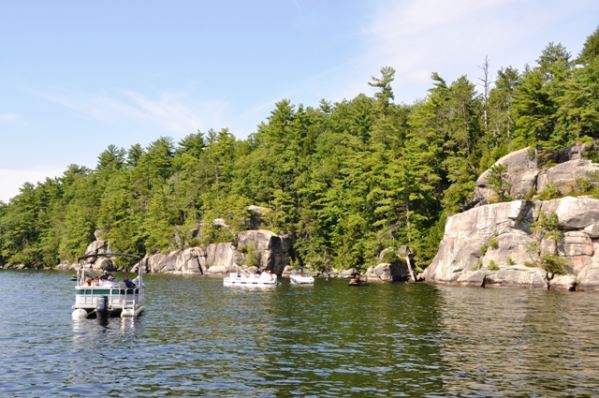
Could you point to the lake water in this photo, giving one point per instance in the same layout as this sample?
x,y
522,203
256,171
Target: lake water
x,y
198,338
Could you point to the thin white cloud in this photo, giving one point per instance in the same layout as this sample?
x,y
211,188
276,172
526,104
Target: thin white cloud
x,y
418,37
13,179
177,113
8,116
452,38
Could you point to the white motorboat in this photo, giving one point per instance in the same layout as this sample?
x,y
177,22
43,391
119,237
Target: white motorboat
x,y
107,297
246,279
301,278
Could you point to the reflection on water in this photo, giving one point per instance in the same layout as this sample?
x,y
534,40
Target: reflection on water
x,y
520,342
197,337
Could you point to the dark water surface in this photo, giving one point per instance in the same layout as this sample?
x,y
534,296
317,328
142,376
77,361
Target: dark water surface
x,y
198,338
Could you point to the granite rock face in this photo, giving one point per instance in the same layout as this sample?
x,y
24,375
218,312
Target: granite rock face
x,y
186,261
524,176
96,252
506,244
521,173
271,252
566,176
495,245
386,272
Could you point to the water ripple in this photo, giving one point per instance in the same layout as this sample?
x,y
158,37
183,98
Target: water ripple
x,y
200,338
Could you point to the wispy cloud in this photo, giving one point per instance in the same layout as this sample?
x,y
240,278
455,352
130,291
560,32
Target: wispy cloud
x,y
418,37
177,113
452,38
13,179
8,116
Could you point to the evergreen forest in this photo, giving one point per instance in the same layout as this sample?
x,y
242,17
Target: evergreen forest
x,y
344,179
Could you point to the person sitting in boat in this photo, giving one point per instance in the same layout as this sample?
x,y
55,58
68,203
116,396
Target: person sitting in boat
x,y
129,284
109,281
356,279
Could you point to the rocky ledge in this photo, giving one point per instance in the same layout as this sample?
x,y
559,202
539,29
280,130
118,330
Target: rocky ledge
x,y
538,243
498,244
266,249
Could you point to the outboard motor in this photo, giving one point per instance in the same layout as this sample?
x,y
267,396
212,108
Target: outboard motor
x,y
102,308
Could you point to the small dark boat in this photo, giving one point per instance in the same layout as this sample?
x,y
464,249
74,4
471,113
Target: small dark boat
x,y
357,282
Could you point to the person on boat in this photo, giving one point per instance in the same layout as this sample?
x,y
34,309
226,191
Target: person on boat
x,y
106,276
88,281
109,281
129,284
356,279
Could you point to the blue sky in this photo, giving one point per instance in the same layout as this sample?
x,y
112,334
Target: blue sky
x,y
76,76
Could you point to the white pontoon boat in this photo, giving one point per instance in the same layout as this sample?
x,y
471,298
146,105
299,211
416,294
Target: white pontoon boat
x,y
244,279
301,278
107,297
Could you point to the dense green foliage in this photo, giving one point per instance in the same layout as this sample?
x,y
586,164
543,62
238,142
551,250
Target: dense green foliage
x,y
345,179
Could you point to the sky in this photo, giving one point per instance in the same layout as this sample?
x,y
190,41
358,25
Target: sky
x,y
77,76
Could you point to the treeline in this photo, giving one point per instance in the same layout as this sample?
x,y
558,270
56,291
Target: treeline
x,y
345,179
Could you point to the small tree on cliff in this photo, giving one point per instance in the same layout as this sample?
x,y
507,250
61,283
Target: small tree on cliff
x,y
499,182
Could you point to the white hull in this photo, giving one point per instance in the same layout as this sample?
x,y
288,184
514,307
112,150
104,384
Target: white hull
x,y
106,297
301,279
123,302
234,279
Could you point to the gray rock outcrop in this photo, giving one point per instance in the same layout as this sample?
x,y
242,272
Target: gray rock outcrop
x,y
98,253
508,244
221,258
271,252
565,176
346,273
188,261
257,215
386,272
523,175
495,245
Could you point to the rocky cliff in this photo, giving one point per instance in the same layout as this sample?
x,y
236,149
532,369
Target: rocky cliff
x,y
517,242
523,174
266,250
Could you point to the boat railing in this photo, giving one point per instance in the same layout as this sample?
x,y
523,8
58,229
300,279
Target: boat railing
x,y
115,296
